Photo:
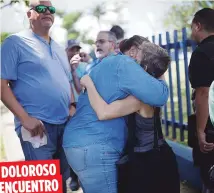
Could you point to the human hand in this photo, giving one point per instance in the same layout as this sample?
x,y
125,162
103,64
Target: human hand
x,y
204,146
72,110
34,126
86,81
75,60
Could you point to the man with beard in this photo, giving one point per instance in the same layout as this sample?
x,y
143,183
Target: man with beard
x,y
105,45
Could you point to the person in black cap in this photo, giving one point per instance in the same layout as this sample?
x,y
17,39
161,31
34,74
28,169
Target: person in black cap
x,y
73,48
78,61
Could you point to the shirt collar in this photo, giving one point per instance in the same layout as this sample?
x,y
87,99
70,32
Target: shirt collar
x,y
120,53
208,39
42,39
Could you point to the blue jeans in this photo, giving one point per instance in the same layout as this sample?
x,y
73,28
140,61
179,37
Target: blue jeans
x,y
95,166
53,149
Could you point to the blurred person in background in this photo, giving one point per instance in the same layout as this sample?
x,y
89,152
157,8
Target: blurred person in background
x,y
73,48
119,33
78,62
201,76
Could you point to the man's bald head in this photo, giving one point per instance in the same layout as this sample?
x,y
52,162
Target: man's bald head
x,y
34,3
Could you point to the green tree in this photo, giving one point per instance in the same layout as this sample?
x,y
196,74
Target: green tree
x,y
101,9
204,4
69,21
85,39
4,35
98,11
180,15
10,3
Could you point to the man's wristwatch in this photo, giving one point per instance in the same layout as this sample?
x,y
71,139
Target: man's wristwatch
x,y
74,104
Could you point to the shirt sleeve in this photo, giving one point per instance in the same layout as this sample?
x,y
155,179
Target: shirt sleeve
x,y
202,73
9,59
134,80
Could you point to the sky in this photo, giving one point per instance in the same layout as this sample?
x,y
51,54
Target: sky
x,y
143,17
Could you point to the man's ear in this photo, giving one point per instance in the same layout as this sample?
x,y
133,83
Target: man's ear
x,y
198,26
29,14
113,45
132,51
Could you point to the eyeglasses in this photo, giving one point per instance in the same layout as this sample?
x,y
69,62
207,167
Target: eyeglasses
x,y
102,41
44,8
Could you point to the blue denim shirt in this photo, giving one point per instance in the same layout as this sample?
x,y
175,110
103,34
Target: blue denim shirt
x,y
39,74
96,61
116,77
80,71
91,65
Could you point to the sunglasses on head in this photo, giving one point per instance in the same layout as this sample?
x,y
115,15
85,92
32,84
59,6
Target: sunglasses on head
x,y
44,8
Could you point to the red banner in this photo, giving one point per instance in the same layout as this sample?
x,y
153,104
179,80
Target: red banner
x,y
30,176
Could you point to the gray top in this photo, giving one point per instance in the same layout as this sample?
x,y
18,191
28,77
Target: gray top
x,y
145,134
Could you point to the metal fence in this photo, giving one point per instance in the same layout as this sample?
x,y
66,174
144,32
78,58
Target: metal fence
x,y
178,107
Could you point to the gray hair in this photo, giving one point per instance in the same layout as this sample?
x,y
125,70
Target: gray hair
x,y
155,59
111,36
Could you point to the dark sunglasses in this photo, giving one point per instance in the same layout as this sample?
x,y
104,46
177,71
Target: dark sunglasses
x,y
44,8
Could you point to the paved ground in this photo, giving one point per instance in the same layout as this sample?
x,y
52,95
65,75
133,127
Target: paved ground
x,y
7,121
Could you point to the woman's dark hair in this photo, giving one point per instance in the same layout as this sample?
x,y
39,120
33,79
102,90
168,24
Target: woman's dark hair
x,y
155,59
136,40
